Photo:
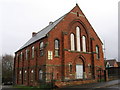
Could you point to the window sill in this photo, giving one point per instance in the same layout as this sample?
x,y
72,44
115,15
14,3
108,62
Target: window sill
x,y
41,55
70,74
98,58
32,59
80,52
56,56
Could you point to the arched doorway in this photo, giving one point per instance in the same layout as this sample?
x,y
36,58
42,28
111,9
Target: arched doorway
x,y
80,67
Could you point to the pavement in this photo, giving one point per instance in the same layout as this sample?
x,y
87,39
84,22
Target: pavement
x,y
93,86
109,85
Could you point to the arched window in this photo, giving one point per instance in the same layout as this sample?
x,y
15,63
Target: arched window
x,y
97,52
84,43
20,74
40,74
78,38
32,75
26,52
25,74
41,48
33,52
21,55
57,47
72,41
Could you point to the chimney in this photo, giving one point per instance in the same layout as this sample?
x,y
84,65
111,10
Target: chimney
x,y
50,23
33,34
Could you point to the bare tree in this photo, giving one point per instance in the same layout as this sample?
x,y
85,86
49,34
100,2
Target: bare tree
x,y
7,68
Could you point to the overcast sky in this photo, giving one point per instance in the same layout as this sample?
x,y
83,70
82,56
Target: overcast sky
x,y
19,18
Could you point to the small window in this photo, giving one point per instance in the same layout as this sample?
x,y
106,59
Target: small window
x,y
25,71
50,55
25,74
41,48
77,14
17,56
33,52
56,47
32,75
70,67
21,56
20,74
97,52
26,54
72,41
40,74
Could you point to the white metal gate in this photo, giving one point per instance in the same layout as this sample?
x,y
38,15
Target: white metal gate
x,y
79,71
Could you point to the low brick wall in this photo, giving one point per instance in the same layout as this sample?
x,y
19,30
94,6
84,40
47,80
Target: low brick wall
x,y
71,83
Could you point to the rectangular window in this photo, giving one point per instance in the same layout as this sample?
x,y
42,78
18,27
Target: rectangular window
x,y
50,55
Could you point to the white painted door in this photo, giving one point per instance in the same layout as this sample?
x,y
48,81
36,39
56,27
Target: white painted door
x,y
79,71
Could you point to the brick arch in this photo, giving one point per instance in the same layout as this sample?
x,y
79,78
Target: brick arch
x,y
79,21
70,26
80,60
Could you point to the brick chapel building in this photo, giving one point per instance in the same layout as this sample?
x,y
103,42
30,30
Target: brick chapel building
x,y
68,49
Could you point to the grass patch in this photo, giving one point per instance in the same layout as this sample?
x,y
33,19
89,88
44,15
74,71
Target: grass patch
x,y
41,87
24,87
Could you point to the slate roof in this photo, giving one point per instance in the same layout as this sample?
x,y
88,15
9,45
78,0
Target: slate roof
x,y
118,64
42,33
111,62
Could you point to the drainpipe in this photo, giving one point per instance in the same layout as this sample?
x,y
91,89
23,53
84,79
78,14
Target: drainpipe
x,y
92,53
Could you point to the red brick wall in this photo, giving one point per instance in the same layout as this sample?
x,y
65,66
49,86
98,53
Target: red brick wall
x,y
59,65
